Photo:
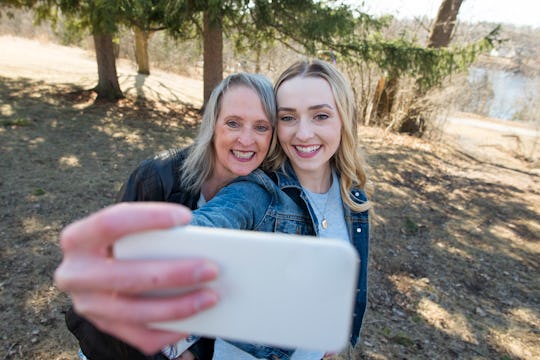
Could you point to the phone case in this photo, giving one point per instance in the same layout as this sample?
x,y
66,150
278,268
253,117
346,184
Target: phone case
x,y
277,289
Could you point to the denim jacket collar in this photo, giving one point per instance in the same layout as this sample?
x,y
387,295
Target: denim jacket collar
x,y
287,177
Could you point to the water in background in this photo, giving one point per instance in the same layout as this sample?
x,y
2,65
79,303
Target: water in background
x,y
504,94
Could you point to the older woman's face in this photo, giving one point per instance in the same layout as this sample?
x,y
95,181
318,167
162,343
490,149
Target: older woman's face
x,y
242,134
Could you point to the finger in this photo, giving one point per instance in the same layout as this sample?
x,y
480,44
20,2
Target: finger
x,y
149,341
90,273
143,310
103,228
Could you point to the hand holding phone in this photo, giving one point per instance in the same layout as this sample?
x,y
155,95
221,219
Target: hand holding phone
x,y
277,289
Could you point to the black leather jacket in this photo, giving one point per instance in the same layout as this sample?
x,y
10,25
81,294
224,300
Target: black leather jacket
x,y
155,179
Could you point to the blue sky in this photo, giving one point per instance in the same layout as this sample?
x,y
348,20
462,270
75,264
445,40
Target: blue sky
x,y
518,12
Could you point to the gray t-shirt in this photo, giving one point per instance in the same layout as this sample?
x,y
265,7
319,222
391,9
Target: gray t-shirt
x,y
329,206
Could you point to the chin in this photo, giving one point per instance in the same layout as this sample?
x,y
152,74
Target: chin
x,y
243,172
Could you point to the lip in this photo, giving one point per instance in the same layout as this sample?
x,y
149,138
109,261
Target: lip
x,y
307,151
242,155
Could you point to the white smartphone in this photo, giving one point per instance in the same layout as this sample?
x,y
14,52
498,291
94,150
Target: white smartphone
x,y
278,289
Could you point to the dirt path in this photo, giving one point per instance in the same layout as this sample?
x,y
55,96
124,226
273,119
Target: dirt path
x,y
496,141
455,244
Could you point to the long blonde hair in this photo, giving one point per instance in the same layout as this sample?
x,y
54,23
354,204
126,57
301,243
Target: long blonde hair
x,y
199,164
347,159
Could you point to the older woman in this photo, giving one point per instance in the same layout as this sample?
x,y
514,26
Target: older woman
x,y
233,140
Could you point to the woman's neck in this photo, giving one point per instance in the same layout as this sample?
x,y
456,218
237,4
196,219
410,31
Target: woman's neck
x,y
212,185
317,181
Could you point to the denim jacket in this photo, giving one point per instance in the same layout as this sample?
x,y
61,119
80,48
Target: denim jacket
x,y
276,203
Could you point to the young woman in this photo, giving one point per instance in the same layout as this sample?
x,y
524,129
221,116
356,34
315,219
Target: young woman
x,y
233,140
314,185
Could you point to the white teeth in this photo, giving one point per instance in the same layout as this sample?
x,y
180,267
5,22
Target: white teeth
x,y
307,149
243,154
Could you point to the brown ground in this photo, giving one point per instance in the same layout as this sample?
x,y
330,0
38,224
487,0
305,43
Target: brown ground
x,y
455,246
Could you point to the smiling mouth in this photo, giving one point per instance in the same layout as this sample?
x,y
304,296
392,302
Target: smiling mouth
x,y
243,155
307,149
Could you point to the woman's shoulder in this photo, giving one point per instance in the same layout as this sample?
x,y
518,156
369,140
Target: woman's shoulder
x,y
164,162
154,178
168,158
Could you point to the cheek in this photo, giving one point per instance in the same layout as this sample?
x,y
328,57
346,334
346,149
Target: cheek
x,y
335,133
222,138
282,134
334,144
264,141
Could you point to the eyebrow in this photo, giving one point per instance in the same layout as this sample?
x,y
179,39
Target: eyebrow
x,y
314,107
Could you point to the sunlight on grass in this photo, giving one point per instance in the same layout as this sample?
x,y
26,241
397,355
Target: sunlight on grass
x,y
527,316
36,141
507,231
116,132
519,342
66,355
455,325
6,110
69,161
39,300
32,225
454,250
520,337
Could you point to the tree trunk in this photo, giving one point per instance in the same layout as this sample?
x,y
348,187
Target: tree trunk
x,y
383,99
107,88
141,50
213,53
444,25
414,122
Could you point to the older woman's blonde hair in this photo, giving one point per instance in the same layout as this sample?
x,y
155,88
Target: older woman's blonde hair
x,y
347,159
200,162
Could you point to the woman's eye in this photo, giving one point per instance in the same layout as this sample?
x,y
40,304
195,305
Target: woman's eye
x,y
262,128
286,118
321,116
232,124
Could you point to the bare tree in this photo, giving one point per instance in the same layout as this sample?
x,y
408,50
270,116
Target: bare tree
x,y
441,35
443,27
414,122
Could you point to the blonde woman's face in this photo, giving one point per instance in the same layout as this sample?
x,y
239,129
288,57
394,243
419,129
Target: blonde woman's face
x,y
309,125
242,134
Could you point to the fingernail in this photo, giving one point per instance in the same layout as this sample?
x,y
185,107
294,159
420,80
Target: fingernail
x,y
205,272
205,300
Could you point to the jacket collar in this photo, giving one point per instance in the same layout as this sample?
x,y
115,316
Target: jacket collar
x,y
286,177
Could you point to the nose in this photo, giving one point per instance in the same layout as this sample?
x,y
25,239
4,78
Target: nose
x,y
305,130
247,137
